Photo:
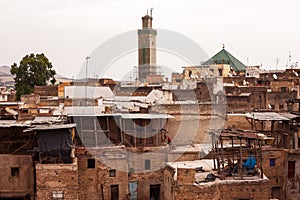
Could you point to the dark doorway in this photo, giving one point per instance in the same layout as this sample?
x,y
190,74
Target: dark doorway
x,y
114,192
155,192
275,192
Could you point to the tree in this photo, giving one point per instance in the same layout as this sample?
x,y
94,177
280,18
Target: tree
x,y
34,70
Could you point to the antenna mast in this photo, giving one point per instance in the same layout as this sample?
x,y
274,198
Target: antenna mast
x,y
290,58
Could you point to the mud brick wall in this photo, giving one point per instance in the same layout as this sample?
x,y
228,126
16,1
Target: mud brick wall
x,y
277,173
137,161
188,192
238,122
280,98
16,183
293,183
169,183
252,189
57,177
186,176
145,180
46,90
183,156
95,182
225,190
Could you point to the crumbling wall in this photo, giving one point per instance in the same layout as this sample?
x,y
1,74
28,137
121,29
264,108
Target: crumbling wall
x,y
225,190
57,180
187,192
238,122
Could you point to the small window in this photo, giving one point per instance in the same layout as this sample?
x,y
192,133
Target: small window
x,y
91,163
272,107
57,194
272,162
283,89
291,169
131,170
25,111
15,171
220,72
147,164
112,173
281,107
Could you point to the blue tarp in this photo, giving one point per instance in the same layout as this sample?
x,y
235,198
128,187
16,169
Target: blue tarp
x,y
250,163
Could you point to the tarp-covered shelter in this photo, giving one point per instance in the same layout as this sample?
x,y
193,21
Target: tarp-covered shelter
x,y
54,142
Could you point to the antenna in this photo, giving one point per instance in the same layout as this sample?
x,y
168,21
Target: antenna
x,y
277,61
86,79
151,10
290,58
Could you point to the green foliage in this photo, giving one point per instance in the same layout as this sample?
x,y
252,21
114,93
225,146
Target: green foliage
x,y
34,70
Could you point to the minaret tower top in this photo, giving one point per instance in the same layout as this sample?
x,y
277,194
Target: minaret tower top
x,y
147,22
147,48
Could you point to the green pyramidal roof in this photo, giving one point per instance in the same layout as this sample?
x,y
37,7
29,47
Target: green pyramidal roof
x,y
224,57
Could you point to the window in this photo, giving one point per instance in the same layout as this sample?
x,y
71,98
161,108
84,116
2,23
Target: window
x,y
15,171
272,162
220,72
283,89
114,192
272,106
58,194
112,173
147,164
281,107
131,170
291,169
91,163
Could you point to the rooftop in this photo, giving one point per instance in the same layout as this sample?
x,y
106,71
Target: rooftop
x,y
224,57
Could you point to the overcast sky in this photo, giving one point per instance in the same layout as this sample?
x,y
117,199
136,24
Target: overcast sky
x,y
256,31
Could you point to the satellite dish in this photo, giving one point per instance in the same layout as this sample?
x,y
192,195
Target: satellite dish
x,y
269,106
275,76
296,74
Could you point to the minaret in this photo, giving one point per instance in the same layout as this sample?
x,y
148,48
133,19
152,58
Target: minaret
x,y
147,48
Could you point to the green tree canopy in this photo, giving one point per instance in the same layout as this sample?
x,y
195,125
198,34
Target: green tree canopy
x,y
34,70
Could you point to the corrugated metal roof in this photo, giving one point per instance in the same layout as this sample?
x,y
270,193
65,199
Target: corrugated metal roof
x,y
269,116
145,116
50,127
